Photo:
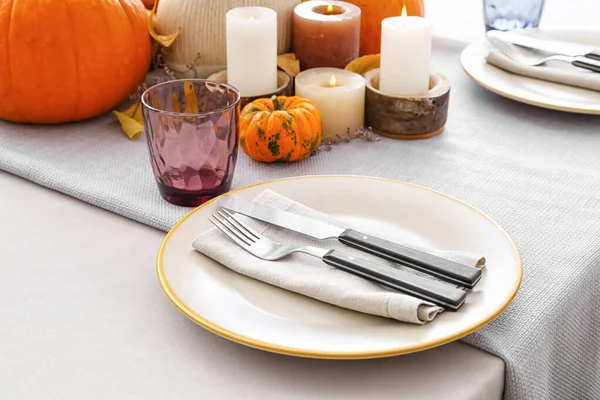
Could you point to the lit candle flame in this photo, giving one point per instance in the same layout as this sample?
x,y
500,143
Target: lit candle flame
x,y
332,81
404,10
329,9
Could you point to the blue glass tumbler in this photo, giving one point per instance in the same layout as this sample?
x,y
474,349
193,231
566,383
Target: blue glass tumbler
x,y
506,15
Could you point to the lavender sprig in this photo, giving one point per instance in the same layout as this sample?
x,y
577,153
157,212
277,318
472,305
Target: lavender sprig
x,y
363,133
367,134
164,73
192,66
137,95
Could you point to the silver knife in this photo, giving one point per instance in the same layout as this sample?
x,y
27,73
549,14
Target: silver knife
x,y
551,46
442,268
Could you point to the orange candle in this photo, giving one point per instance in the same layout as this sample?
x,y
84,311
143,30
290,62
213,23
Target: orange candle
x,y
326,33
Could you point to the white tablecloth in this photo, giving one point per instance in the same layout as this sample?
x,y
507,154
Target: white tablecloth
x,y
82,317
532,170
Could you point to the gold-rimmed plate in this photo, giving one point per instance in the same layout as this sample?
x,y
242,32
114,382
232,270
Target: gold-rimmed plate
x,y
269,318
534,91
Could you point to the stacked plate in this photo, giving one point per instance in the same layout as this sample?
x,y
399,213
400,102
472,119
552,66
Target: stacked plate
x,y
529,90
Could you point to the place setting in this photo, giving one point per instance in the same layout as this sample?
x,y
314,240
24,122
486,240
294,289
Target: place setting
x,y
345,303
555,68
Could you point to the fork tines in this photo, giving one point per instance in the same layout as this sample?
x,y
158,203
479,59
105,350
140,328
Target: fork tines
x,y
229,225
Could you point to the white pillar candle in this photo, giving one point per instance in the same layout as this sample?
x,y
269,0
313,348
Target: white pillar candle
x,y
405,55
252,50
340,97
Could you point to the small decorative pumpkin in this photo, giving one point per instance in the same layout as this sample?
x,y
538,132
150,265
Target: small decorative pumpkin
x,y
280,129
68,61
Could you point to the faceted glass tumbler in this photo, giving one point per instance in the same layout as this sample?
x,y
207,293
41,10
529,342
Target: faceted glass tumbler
x,y
506,15
193,148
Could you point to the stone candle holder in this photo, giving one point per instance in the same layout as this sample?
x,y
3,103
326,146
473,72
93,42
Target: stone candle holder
x,y
407,117
285,86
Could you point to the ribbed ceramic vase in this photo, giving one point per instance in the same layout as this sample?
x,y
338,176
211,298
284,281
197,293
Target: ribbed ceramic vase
x,y
202,38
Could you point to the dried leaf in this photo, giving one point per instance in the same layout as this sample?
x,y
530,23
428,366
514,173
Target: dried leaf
x,y
131,120
289,63
191,101
364,64
163,40
175,103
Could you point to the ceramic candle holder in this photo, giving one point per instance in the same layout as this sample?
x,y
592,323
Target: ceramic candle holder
x,y
285,86
407,117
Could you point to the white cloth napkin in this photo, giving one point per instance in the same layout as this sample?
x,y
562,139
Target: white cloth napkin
x,y
309,276
553,71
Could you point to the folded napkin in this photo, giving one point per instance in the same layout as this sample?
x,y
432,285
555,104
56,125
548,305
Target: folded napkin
x,y
553,71
311,277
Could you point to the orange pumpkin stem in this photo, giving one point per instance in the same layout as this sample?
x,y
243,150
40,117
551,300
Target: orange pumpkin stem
x,y
278,104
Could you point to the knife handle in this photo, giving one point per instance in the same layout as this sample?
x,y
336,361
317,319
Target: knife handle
x,y
442,268
593,56
587,63
438,293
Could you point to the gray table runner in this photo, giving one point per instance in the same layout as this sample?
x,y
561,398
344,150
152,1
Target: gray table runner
x,y
534,171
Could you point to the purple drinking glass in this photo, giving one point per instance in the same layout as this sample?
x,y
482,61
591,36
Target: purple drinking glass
x,y
193,154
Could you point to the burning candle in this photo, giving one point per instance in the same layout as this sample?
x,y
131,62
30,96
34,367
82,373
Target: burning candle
x,y
326,33
340,97
252,50
405,55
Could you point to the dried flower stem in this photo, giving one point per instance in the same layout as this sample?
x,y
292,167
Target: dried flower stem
x,y
165,73
363,133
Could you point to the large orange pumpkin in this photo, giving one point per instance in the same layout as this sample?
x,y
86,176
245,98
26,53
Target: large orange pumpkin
x,y
280,129
70,60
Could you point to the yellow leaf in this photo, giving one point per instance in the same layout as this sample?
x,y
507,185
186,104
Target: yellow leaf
x,y
175,103
289,63
191,101
131,120
364,64
163,40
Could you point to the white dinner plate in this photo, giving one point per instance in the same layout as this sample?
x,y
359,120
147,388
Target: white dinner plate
x,y
269,318
534,91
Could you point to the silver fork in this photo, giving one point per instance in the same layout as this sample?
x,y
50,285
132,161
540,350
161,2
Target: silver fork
x,y
526,57
260,246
